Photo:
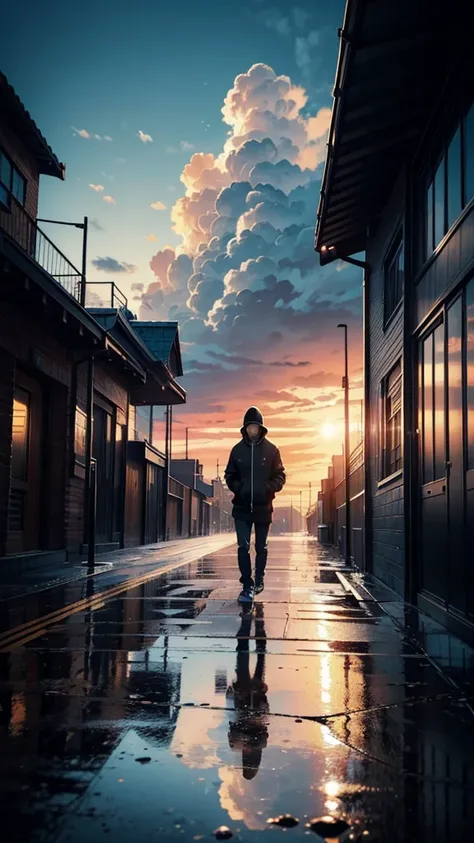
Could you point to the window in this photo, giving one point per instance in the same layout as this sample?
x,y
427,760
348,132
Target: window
x,y
18,186
427,419
392,422
429,221
451,187
142,423
454,179
20,434
439,431
469,156
393,276
470,372
439,203
12,182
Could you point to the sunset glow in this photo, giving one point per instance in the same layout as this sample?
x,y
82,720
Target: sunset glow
x,y
329,430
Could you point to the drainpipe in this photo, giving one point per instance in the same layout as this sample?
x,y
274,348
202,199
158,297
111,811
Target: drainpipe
x,y
89,433
410,439
123,501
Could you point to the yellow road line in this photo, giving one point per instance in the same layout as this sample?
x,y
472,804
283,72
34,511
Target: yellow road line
x,y
23,633
11,635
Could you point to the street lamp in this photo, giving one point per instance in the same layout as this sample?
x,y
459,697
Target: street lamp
x,y
345,385
84,226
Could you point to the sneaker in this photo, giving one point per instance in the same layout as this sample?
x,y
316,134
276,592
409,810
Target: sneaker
x,y
246,595
259,587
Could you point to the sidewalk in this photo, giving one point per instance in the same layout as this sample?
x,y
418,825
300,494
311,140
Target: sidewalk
x,y
164,712
33,594
16,582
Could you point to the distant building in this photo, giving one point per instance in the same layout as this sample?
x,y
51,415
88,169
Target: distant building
x,y
222,521
189,473
287,519
327,520
399,185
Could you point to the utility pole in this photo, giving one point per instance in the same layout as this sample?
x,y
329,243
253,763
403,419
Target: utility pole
x,y
166,474
84,225
218,469
347,446
150,432
309,496
187,442
301,509
170,408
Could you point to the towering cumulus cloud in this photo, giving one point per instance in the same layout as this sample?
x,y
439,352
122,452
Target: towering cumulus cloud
x,y
245,273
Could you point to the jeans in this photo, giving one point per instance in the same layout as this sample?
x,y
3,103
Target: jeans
x,y
244,531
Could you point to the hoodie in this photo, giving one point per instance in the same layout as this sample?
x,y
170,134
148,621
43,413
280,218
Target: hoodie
x,y
254,473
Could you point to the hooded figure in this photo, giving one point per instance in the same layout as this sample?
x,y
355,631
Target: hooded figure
x,y
249,731
254,473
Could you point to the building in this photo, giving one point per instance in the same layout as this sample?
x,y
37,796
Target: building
x,y
221,513
321,521
398,184
327,520
286,519
154,347
71,379
188,473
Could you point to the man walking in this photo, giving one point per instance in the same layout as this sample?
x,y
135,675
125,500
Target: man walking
x,y
254,473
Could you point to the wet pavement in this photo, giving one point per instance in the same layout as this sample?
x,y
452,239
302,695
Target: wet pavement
x,y
161,711
17,580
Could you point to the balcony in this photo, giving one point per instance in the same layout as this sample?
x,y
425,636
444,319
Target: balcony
x,y
17,224
105,294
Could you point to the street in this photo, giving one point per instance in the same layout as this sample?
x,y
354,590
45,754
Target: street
x,y
153,708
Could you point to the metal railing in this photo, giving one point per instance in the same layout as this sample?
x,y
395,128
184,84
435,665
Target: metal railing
x,y
24,231
109,295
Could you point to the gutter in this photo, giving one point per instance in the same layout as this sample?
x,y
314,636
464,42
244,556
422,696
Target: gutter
x,y
116,348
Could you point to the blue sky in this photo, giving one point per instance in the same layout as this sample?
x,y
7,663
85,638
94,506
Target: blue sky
x,y
258,316
162,67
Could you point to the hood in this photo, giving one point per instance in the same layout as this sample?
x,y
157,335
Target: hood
x,y
253,416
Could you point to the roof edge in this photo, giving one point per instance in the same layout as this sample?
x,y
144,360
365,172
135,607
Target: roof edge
x,y
346,34
49,164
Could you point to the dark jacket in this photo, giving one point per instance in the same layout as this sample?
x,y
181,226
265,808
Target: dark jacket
x,y
254,473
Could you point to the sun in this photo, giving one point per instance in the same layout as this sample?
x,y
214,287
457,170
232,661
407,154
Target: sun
x,y
329,430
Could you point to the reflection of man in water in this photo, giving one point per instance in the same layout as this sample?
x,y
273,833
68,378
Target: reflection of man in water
x,y
249,731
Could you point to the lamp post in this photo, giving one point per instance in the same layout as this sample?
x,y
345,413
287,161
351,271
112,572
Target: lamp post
x,y
85,227
166,474
345,385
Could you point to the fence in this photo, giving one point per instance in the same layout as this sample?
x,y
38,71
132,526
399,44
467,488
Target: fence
x,y
24,231
105,294
357,503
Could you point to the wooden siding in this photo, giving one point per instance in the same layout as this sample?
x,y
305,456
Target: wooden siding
x,y
25,163
386,347
134,503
